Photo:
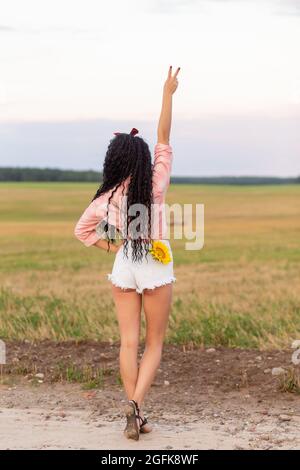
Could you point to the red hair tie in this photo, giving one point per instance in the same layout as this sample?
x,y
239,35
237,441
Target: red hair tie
x,y
133,132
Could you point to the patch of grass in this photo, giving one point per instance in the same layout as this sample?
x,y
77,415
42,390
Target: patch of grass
x,y
89,377
50,317
8,380
241,290
290,381
119,380
192,321
196,323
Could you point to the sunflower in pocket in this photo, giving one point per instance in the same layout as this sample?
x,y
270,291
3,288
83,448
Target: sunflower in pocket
x,y
160,252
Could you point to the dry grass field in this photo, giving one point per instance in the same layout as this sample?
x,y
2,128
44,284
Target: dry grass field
x,y
241,290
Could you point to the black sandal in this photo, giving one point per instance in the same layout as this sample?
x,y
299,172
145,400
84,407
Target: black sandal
x,y
144,422
132,430
132,411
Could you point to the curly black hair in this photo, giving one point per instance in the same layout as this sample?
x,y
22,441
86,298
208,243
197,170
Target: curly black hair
x,y
128,156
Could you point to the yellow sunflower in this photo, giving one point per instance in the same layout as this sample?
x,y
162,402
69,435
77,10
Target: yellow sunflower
x,y
160,252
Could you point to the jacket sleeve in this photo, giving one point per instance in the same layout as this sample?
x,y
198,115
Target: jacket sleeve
x,y
85,229
163,158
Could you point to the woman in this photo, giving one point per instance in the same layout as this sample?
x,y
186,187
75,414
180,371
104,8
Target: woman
x,y
143,266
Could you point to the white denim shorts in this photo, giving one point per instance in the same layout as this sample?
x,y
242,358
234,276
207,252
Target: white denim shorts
x,y
127,274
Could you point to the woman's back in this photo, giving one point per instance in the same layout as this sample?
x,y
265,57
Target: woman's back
x,y
111,206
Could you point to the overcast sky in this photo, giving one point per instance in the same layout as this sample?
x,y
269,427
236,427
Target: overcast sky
x,y
73,72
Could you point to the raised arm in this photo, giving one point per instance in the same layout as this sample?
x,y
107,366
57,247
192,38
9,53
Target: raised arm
x,y
165,119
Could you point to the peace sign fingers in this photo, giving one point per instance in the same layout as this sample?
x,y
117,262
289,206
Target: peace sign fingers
x,y
177,72
171,82
170,72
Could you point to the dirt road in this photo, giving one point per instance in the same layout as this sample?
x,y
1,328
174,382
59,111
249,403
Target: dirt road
x,y
223,399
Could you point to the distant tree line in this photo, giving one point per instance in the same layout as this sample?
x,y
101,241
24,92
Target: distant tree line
x,y
240,180
56,174
47,174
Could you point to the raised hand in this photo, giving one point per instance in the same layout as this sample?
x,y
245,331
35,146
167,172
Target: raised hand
x,y
171,83
164,123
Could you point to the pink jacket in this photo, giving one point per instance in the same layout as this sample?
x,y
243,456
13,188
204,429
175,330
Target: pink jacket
x,y
85,229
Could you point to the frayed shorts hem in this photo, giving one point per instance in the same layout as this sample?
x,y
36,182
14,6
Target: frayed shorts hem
x,y
139,290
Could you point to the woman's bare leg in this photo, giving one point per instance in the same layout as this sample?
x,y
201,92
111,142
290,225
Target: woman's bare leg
x,y
157,304
128,305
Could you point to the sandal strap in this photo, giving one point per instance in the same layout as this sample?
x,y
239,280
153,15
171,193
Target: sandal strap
x,y
136,406
137,414
144,421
